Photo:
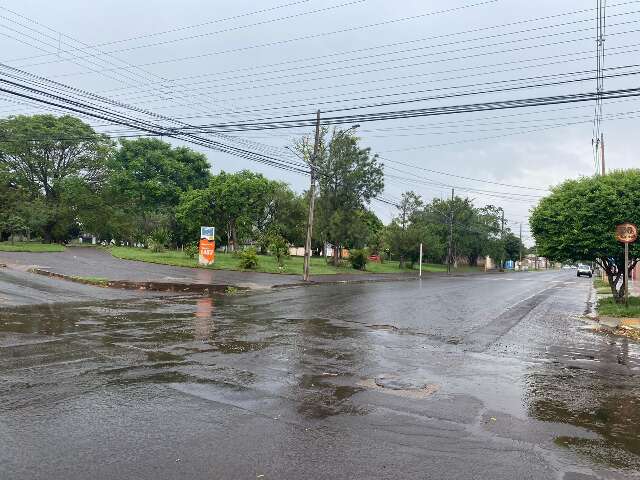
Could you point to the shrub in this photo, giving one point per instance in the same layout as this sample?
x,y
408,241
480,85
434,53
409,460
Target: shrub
x,y
191,250
158,239
358,258
248,259
279,248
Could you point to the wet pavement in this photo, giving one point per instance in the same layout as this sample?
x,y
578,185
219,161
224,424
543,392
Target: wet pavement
x,y
461,378
23,288
99,263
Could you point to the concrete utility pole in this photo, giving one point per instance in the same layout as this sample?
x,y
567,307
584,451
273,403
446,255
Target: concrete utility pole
x,y
312,200
502,241
602,152
520,245
450,255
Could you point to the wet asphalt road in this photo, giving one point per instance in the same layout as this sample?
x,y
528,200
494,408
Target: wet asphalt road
x,y
459,378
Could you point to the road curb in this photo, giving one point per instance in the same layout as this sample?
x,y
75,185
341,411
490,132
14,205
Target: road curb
x,y
146,285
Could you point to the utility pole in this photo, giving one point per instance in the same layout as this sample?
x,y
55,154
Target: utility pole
x,y
312,200
420,264
626,274
520,245
450,255
602,152
502,241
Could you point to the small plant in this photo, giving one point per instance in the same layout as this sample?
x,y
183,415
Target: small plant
x,y
248,259
191,250
158,239
359,258
231,291
279,248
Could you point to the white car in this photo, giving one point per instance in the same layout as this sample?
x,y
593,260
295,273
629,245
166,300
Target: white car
x,y
584,270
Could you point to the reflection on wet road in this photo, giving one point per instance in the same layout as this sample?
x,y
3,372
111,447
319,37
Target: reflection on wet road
x,y
475,377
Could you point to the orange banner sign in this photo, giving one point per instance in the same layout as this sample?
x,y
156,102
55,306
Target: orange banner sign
x,y
207,251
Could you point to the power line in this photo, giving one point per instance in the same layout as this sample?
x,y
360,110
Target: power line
x,y
304,37
283,122
164,32
249,78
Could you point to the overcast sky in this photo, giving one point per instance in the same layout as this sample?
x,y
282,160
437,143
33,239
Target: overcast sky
x,y
215,62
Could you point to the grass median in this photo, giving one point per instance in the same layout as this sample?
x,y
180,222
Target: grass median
x,y
30,247
266,263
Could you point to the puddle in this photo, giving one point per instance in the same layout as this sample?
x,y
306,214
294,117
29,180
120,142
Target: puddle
x,y
583,398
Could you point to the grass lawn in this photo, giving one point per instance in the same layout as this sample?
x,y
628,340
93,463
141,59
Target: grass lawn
x,y
292,265
608,308
602,286
30,247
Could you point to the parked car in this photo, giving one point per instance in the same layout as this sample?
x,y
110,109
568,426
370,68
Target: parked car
x,y
584,270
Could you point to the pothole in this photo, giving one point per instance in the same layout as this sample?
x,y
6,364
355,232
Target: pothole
x,y
401,387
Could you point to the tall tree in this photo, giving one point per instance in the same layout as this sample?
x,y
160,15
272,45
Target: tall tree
x,y
42,152
348,177
578,220
147,178
404,232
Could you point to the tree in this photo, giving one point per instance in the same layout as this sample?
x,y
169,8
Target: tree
x,y
41,152
239,203
285,215
403,235
147,178
242,206
577,222
348,178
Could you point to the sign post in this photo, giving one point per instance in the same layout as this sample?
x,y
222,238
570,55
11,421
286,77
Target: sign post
x,y
207,246
626,233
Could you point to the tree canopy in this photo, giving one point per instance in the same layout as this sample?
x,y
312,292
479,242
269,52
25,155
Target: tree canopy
x,y
578,220
349,176
44,155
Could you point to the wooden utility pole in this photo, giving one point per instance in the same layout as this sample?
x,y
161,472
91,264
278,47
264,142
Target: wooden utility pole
x,y
312,200
450,255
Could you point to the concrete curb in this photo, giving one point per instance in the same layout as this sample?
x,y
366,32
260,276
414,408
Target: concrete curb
x,y
206,288
147,285
617,322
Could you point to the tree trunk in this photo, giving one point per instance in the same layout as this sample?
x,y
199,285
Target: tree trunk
x,y
335,255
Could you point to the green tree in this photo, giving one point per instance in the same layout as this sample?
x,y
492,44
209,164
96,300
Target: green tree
x,y
348,178
242,206
240,201
578,220
404,234
42,152
194,210
285,214
148,177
